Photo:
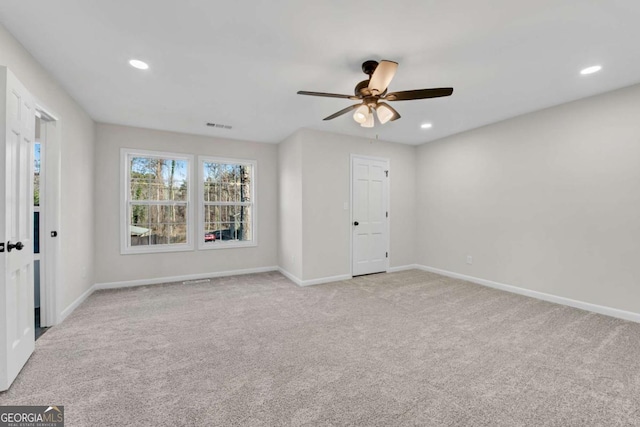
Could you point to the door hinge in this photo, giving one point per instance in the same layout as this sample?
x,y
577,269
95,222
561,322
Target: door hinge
x,y
386,173
387,214
1,247
387,255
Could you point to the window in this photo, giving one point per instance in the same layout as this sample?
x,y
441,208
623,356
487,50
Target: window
x,y
36,173
37,148
227,203
157,213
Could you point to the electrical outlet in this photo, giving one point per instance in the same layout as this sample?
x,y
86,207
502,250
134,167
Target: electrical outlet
x,y
469,259
346,206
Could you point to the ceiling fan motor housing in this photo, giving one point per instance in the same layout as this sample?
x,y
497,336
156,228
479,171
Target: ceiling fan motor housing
x,y
362,89
368,67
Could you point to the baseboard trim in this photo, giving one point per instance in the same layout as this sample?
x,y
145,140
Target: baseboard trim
x,y
313,282
67,311
403,268
323,280
290,276
170,279
600,309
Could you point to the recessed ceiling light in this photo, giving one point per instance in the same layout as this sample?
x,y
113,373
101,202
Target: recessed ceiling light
x,y
426,126
591,70
140,65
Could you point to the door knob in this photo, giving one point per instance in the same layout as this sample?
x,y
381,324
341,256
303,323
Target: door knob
x,y
356,223
17,246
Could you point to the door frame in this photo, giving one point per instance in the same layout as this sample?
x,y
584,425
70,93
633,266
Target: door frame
x,y
50,205
388,225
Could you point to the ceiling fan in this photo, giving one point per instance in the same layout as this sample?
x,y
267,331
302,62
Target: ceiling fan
x,y
373,93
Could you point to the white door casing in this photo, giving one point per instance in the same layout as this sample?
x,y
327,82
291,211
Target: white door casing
x,y
50,204
17,131
370,198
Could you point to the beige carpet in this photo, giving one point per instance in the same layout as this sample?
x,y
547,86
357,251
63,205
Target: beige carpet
x,y
410,348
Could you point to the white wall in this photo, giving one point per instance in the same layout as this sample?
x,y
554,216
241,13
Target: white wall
x,y
549,201
113,267
77,145
326,226
290,209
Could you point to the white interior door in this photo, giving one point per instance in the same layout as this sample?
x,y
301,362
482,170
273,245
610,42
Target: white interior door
x,y
370,193
17,131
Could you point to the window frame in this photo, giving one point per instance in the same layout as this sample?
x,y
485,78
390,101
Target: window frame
x,y
202,245
125,203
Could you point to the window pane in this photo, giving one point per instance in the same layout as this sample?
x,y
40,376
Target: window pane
x,y
139,214
158,200
164,234
245,232
179,233
36,174
173,214
227,223
226,192
245,183
211,214
179,191
158,225
158,179
230,185
140,225
139,189
157,234
245,219
227,183
224,231
139,240
156,191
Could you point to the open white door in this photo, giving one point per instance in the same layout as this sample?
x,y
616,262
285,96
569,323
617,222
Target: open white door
x,y
17,130
370,194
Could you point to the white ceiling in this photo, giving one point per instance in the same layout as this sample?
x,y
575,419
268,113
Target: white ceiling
x,y
241,63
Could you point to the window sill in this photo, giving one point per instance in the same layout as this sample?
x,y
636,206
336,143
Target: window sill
x,y
138,250
230,245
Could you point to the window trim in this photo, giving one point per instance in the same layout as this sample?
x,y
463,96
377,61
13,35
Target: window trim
x,y
125,194
254,203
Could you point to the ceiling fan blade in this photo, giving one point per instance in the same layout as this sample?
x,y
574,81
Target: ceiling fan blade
x,y
382,76
327,95
408,95
386,113
343,111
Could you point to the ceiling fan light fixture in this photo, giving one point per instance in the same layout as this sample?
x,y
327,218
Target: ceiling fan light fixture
x,y
384,113
362,114
369,122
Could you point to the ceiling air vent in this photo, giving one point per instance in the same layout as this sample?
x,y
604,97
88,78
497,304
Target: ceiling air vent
x,y
219,126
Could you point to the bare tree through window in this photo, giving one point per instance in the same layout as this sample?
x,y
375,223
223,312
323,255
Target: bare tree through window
x,y
228,202
158,201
